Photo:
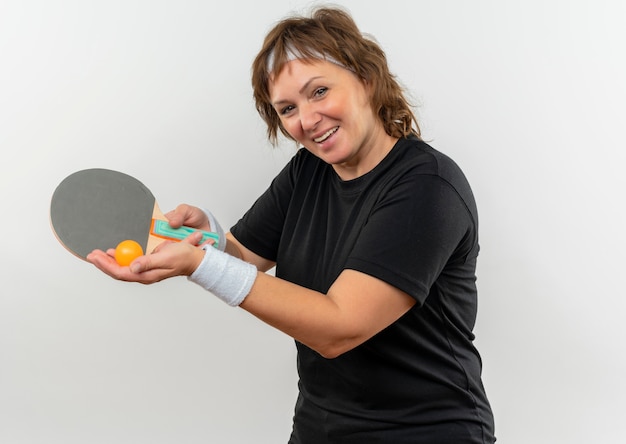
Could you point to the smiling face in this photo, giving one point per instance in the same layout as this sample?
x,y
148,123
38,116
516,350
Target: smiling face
x,y
327,109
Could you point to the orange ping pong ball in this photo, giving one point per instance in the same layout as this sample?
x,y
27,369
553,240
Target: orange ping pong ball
x,y
127,251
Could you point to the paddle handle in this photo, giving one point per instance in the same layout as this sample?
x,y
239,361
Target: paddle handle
x,y
162,229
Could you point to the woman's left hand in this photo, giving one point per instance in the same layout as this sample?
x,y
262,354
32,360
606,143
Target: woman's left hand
x,y
167,260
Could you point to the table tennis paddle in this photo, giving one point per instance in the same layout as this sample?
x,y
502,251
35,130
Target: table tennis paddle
x,y
98,208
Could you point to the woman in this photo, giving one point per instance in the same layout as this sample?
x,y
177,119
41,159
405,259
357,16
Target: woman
x,y
374,237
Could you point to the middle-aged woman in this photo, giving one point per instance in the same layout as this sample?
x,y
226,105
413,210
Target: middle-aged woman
x,y
374,238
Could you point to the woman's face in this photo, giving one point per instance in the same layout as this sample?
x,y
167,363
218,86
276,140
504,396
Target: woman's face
x,y
326,108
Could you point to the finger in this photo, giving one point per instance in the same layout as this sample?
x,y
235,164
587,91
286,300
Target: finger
x,y
97,257
194,238
209,241
173,259
107,264
180,215
160,259
174,218
160,246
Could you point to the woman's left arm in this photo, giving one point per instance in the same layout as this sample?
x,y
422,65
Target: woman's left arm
x,y
356,307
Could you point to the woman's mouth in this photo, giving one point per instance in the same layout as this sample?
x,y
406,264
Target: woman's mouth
x,y
326,135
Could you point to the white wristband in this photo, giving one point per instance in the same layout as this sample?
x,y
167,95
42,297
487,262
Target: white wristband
x,y
217,229
227,277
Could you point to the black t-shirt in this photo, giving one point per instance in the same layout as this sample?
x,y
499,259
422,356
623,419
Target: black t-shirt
x,y
411,222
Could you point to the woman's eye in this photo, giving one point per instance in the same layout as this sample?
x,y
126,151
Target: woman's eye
x,y
319,92
286,110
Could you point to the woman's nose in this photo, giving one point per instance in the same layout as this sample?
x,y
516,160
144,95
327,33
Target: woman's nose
x,y
309,117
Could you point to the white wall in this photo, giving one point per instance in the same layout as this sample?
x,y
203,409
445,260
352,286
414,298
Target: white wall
x,y
528,96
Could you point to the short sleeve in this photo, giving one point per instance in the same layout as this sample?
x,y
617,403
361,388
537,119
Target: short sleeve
x,y
413,233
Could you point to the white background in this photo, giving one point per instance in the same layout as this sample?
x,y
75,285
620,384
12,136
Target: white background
x,y
527,96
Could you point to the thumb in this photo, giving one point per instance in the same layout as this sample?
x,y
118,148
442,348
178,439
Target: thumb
x,y
175,218
147,263
137,266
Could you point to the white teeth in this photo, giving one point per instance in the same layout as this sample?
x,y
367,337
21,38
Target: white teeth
x,y
326,135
